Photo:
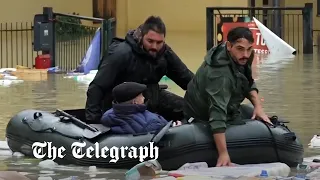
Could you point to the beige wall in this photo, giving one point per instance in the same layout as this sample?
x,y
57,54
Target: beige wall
x,y
179,15
24,10
188,16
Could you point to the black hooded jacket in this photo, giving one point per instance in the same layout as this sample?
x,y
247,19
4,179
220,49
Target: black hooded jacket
x,y
127,61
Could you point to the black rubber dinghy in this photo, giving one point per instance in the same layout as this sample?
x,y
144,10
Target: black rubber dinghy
x,y
252,142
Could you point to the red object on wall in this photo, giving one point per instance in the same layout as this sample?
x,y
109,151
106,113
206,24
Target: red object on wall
x,y
42,61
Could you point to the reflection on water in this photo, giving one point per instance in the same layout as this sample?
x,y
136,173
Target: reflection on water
x,y
290,87
47,170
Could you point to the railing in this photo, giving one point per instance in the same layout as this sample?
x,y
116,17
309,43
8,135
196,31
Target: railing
x,y
73,35
70,37
16,44
292,24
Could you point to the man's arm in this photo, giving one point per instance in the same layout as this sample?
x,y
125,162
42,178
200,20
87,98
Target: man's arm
x,y
253,96
103,83
258,110
177,70
220,140
219,90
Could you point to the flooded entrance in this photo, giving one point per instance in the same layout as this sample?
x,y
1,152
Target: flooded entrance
x,y
290,88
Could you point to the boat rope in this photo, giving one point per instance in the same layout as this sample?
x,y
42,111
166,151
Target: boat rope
x,y
274,142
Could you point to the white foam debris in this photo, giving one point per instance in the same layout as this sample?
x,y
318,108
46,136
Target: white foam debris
x,y
70,178
49,164
46,172
93,172
17,154
92,169
45,178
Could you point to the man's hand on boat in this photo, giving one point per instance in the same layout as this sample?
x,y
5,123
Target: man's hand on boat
x,y
224,159
258,113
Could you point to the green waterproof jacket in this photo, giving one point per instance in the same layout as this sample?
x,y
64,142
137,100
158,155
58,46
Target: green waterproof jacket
x,y
218,88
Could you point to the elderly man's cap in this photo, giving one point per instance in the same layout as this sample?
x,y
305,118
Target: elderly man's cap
x,y
127,91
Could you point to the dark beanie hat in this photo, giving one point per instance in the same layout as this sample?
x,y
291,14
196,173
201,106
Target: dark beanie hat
x,y
127,91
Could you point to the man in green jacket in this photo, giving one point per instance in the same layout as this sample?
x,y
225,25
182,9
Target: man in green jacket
x,y
220,85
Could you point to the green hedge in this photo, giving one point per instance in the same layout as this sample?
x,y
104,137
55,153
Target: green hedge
x,y
71,28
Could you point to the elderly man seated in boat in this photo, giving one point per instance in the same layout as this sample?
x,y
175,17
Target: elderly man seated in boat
x,y
129,114
221,84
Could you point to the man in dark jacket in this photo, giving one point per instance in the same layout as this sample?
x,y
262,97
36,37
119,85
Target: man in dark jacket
x,y
129,114
220,85
141,57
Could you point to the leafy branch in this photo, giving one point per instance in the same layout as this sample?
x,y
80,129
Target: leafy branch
x,y
71,28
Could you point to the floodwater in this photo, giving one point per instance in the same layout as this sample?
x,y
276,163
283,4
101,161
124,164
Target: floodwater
x,y
290,88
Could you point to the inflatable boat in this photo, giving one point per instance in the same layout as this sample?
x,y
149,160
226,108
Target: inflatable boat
x,y
65,138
